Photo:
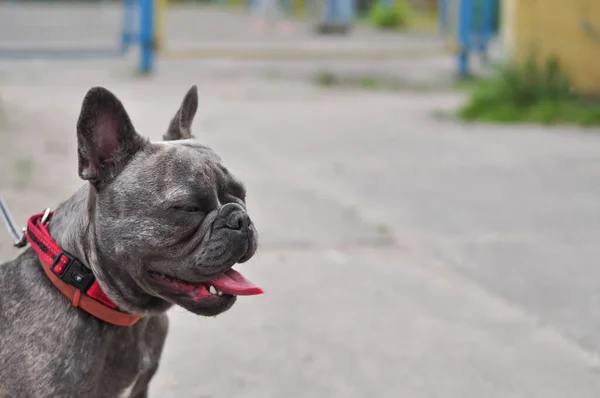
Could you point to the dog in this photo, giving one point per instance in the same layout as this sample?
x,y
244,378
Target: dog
x,y
156,224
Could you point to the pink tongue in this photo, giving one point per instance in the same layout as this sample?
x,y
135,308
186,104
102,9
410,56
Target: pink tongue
x,y
234,283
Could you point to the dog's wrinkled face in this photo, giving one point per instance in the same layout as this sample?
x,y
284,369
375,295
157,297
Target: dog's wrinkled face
x,y
168,216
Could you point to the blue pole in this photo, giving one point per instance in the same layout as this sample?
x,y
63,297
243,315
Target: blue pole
x,y
443,15
487,20
465,29
146,35
346,11
128,24
330,11
339,12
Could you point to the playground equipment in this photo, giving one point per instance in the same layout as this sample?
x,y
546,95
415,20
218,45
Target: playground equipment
x,y
468,25
136,29
338,16
328,16
142,27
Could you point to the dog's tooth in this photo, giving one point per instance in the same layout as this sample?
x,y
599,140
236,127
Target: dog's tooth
x,y
212,290
219,293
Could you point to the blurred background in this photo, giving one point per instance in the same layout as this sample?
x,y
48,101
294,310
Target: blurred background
x,y
424,177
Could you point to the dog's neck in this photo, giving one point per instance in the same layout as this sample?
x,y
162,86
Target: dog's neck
x,y
73,230
68,225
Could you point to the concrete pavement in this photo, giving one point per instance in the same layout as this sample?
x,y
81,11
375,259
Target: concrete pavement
x,y
402,255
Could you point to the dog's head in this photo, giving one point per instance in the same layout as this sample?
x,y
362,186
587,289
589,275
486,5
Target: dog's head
x,y
167,220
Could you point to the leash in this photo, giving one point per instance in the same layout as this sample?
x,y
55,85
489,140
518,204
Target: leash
x,y
67,273
19,239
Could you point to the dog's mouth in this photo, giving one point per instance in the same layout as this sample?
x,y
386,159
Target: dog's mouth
x,y
230,283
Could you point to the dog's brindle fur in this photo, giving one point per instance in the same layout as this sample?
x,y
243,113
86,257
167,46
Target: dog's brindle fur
x,y
170,207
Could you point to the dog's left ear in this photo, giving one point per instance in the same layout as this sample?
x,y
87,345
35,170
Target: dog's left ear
x,y
180,126
106,138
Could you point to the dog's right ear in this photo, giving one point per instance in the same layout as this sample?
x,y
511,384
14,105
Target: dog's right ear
x,y
180,127
106,138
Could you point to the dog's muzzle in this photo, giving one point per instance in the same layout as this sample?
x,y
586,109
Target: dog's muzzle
x,y
235,217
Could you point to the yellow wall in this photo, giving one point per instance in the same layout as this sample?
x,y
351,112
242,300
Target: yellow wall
x,y
507,25
557,27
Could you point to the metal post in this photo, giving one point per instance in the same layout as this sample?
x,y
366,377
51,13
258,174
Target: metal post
x,y
349,11
443,15
486,28
330,11
465,29
146,35
128,23
337,17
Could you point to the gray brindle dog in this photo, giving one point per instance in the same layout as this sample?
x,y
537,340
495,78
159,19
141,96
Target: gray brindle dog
x,y
156,223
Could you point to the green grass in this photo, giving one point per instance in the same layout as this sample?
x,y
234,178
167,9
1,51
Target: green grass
x,y
326,79
395,16
401,16
528,93
330,79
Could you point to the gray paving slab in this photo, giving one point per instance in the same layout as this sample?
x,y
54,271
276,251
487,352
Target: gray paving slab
x,y
369,322
494,307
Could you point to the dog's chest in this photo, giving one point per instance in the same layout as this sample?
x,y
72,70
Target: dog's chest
x,y
126,365
78,364
139,366
50,349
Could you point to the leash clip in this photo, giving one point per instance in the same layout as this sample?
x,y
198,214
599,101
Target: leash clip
x,y
46,216
19,238
23,241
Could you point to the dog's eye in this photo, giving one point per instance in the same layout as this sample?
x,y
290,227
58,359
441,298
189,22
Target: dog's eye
x,y
188,209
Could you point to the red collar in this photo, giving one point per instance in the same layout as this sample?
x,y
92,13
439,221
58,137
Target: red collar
x,y
71,277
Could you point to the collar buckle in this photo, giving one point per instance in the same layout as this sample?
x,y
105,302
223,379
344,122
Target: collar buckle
x,y
72,272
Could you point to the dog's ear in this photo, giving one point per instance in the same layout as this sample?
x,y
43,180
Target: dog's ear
x,y
180,126
106,138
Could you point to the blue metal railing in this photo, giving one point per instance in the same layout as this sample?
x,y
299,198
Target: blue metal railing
x,y
472,25
136,29
146,35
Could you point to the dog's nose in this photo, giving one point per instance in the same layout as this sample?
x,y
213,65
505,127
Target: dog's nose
x,y
238,220
235,216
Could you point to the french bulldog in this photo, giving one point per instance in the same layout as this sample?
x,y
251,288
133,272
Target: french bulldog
x,y
158,224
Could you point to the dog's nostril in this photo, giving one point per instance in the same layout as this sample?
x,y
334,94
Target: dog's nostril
x,y
237,220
